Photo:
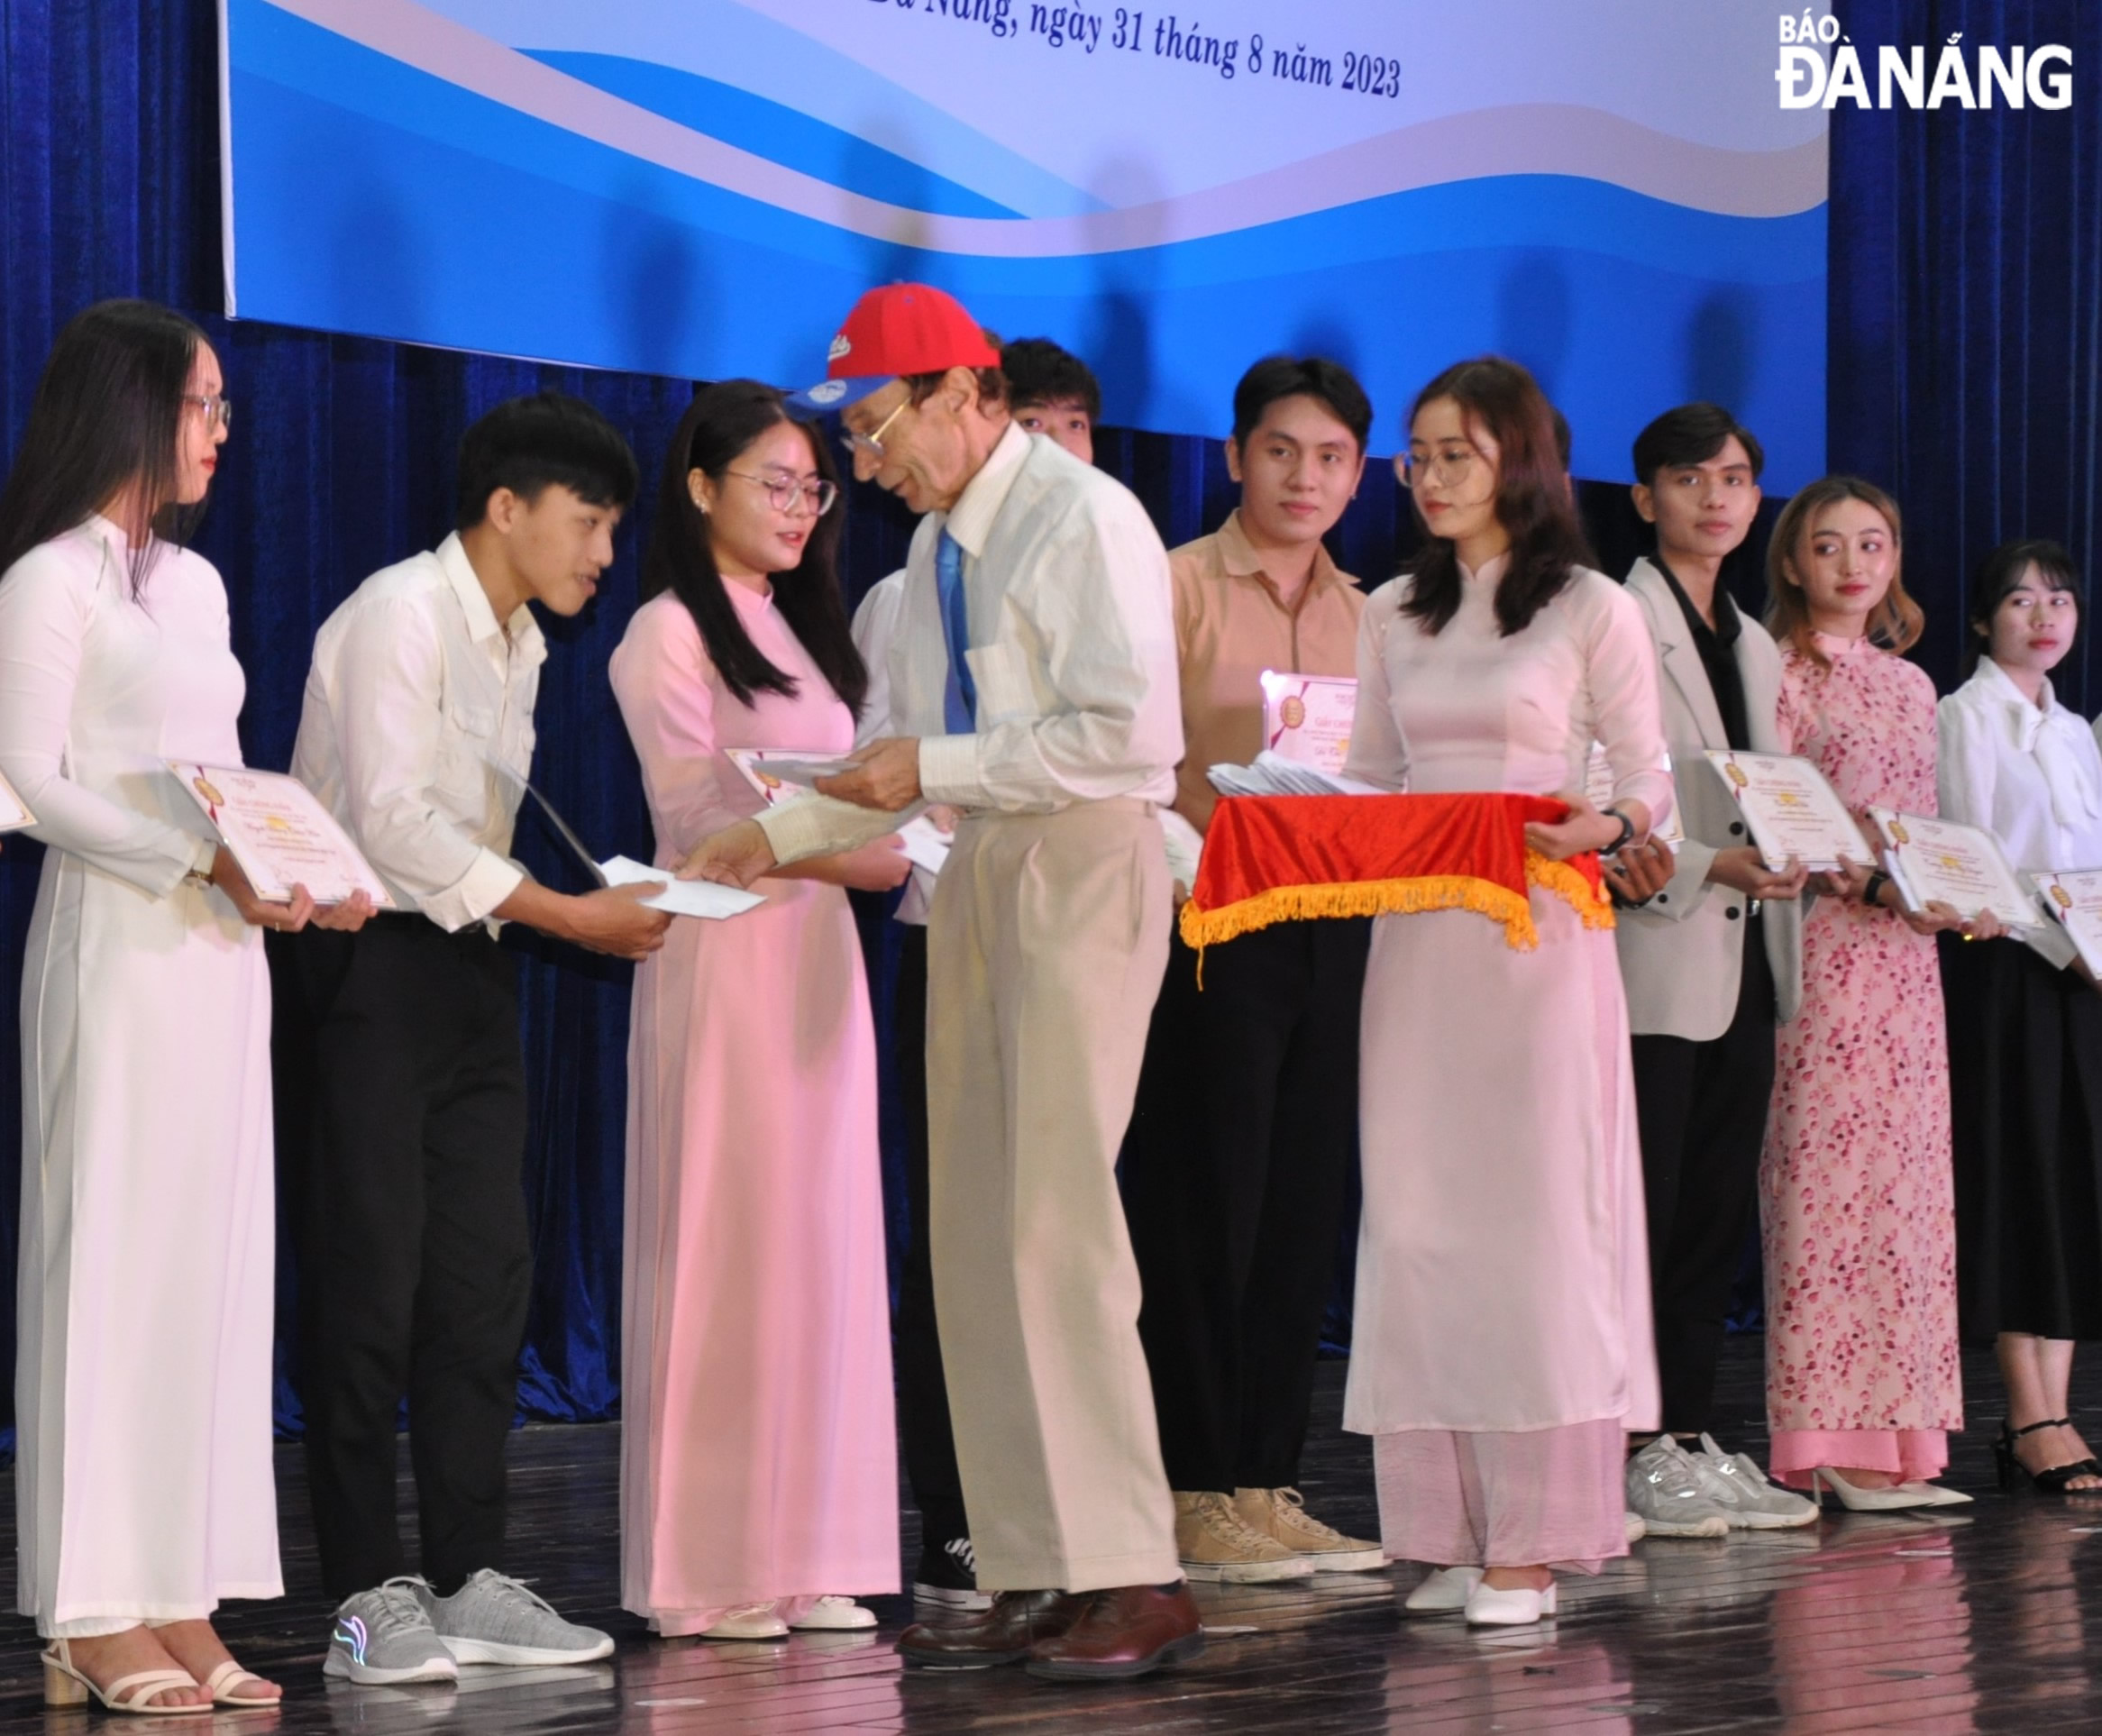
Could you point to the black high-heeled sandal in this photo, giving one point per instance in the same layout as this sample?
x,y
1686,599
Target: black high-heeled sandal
x,y
2051,1481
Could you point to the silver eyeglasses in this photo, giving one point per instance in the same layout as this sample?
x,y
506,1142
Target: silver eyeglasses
x,y
783,491
872,444
218,410
1450,466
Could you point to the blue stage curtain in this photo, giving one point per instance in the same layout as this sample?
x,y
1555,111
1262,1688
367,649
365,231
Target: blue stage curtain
x,y
1966,309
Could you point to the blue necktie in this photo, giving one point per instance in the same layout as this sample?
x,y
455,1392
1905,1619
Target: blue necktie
x,y
960,695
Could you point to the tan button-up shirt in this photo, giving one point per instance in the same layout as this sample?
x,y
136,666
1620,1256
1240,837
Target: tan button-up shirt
x,y
1230,625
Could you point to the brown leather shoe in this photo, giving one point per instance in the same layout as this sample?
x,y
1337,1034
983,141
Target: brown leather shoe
x,y
1126,1631
1003,1634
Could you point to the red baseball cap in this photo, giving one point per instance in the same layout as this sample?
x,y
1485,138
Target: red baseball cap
x,y
901,328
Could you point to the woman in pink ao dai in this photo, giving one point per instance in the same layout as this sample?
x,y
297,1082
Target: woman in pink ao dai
x,y
758,1474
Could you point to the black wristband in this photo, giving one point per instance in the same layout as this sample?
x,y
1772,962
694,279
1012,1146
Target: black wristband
x,y
1872,889
1626,836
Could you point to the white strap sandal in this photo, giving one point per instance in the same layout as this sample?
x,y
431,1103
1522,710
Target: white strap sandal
x,y
66,1686
218,1685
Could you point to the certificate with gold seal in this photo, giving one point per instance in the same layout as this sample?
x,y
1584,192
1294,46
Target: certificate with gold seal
x,y
1791,810
1306,718
1942,862
2075,899
281,834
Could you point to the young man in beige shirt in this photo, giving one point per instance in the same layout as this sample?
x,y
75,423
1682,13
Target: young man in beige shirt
x,y
1245,1126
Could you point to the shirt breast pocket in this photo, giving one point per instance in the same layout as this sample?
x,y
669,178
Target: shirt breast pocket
x,y
470,740
1002,679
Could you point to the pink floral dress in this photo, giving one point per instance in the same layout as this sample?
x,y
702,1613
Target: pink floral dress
x,y
1856,1193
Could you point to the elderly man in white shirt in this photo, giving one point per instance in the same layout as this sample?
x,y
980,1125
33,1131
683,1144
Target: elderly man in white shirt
x,y
1035,669
399,1047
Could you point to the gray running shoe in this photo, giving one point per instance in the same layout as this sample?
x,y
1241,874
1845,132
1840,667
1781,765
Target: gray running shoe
x,y
493,1619
1664,1491
385,1636
1737,1485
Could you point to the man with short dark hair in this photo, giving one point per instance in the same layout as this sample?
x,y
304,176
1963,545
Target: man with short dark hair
x,y
400,1068
1053,392
1711,952
1245,1128
1032,667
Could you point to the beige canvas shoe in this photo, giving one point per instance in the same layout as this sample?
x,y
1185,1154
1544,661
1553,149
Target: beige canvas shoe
x,y
1216,1545
1282,1514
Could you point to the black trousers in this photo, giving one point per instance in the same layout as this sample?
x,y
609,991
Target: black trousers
x,y
1235,1171
1702,1110
923,1392
401,1094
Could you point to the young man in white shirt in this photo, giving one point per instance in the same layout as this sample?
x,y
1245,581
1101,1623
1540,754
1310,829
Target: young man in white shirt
x,y
1035,669
400,1071
1711,954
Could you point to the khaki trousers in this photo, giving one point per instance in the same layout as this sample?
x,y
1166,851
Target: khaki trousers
x,y
1046,945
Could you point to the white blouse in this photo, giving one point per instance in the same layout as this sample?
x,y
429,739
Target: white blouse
x,y
2031,775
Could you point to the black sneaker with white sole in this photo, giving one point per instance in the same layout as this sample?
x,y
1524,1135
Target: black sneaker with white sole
x,y
948,1576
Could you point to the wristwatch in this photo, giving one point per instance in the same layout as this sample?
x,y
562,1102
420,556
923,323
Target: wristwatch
x,y
200,871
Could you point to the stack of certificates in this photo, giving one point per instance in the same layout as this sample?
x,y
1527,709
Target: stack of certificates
x,y
1272,775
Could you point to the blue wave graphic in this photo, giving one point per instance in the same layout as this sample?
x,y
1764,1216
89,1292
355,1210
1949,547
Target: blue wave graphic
x,y
371,197
771,129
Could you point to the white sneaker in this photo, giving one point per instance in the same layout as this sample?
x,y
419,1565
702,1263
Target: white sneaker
x,y
834,1615
1665,1491
1490,1608
1748,1500
749,1621
1444,1592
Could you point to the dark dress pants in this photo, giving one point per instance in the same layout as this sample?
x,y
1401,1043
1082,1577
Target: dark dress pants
x,y
1702,1110
1235,1172
401,1095
923,1393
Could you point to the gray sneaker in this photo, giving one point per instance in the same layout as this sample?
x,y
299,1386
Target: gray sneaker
x,y
1666,1492
493,1619
385,1636
1737,1485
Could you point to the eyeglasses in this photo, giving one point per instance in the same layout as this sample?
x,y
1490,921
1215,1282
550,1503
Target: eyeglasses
x,y
217,411
783,492
1450,467
872,444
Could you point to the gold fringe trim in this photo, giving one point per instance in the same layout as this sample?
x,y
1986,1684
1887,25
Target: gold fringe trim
x,y
1356,898
1592,904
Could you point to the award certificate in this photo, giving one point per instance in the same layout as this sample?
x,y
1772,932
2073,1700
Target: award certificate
x,y
1792,810
281,834
1940,862
1306,718
1598,782
2075,899
13,811
752,764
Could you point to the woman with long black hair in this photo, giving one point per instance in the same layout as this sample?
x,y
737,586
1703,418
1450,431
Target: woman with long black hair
x,y
1502,1317
758,1474
143,1485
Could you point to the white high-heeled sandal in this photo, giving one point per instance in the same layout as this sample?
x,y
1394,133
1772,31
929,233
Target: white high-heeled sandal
x,y
1443,1592
64,1686
1856,1499
1491,1607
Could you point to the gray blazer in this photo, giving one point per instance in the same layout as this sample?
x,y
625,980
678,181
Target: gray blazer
x,y
1682,953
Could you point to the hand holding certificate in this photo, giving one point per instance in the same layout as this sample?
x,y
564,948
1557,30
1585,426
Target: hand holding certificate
x,y
282,835
1792,811
2075,899
1939,862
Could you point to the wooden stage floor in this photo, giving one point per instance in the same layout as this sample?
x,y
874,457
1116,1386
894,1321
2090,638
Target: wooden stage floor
x,y
1976,1623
